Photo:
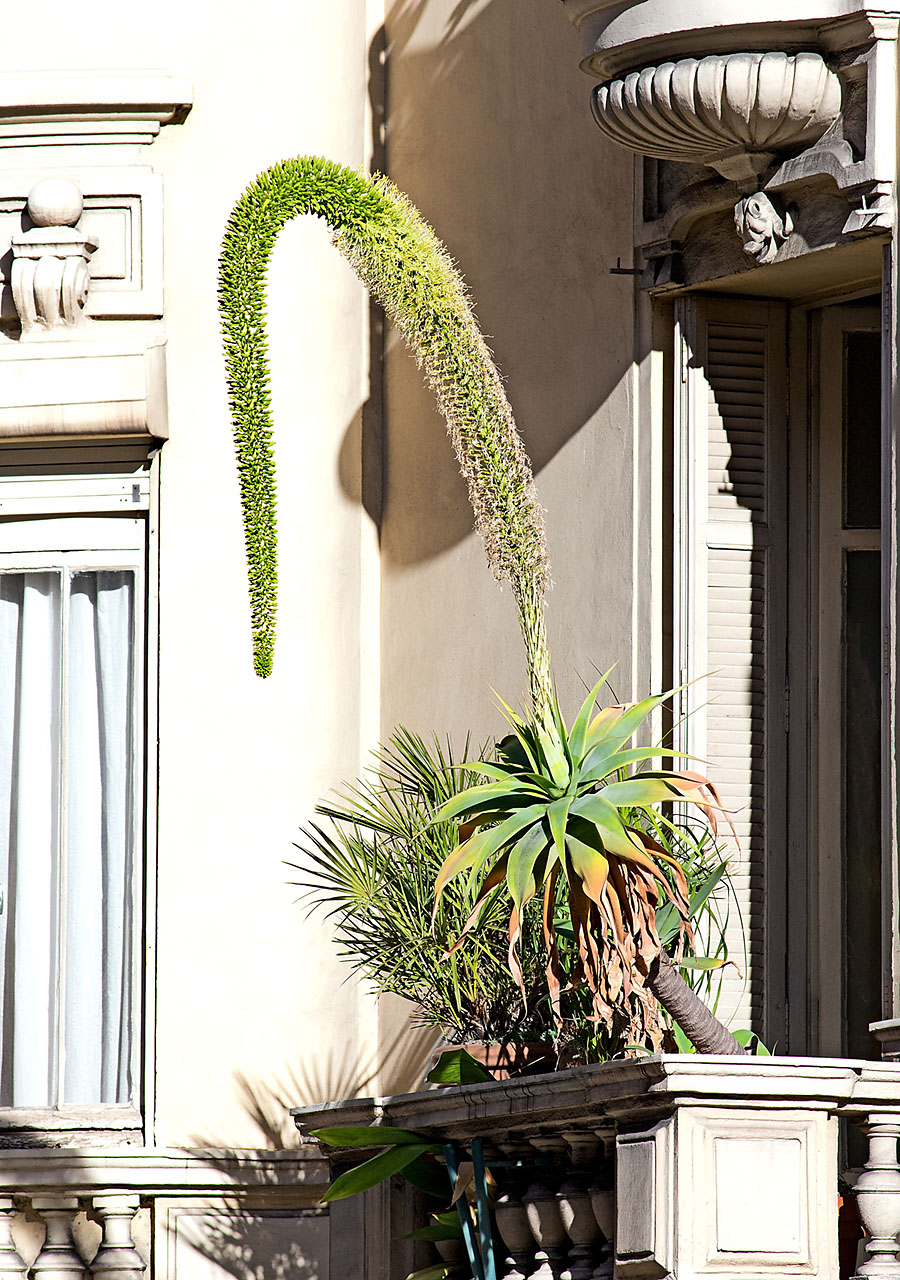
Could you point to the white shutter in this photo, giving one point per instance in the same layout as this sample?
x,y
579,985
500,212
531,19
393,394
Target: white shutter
x,y
731,438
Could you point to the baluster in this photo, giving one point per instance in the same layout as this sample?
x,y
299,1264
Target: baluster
x,y
512,1216
117,1258
58,1258
11,1265
878,1198
603,1203
575,1205
543,1213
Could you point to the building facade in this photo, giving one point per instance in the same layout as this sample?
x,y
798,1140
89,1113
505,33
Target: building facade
x,y
693,308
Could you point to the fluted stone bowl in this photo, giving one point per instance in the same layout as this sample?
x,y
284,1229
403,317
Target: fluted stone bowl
x,y
735,112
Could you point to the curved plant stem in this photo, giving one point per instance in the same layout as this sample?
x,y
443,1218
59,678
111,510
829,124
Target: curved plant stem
x,y
406,268
704,1030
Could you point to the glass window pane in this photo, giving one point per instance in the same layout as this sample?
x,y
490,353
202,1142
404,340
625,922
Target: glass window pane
x,y
862,431
862,798
66,867
30,648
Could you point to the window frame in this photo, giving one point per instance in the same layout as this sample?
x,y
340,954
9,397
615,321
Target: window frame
x,y
84,494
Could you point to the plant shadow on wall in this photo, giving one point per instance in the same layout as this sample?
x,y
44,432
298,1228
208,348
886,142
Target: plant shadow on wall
x,y
490,134
397,1068
286,1244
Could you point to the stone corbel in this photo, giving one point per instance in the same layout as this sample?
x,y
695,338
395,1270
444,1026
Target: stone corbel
x,y
51,264
871,209
763,226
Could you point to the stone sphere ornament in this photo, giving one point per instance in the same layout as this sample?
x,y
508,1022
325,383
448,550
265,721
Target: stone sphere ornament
x,y
55,202
734,112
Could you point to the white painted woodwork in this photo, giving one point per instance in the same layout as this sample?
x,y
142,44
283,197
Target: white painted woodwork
x,y
730,436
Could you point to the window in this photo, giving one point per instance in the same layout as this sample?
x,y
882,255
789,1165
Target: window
x,y
71,803
777,495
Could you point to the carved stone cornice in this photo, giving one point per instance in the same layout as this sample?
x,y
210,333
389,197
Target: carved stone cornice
x,y
734,112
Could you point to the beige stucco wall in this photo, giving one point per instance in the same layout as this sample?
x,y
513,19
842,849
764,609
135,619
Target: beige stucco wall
x,y
489,131
244,985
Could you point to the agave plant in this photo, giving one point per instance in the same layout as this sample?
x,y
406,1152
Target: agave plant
x,y
576,810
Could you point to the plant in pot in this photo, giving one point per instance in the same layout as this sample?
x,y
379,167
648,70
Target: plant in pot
x,y
372,863
586,847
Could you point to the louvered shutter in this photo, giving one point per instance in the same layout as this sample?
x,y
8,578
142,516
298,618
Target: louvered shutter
x,y
731,436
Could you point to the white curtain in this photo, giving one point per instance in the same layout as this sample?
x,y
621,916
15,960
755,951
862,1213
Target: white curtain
x,y
66,830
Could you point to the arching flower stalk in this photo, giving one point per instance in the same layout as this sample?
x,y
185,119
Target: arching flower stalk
x,y
406,268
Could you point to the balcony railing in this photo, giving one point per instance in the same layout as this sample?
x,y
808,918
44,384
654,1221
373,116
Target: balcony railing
x,y
71,1214
675,1166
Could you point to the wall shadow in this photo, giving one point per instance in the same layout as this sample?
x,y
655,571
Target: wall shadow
x,y
481,116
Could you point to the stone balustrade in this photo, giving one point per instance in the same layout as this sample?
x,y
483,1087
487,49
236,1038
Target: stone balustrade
x,y
131,1212
675,1166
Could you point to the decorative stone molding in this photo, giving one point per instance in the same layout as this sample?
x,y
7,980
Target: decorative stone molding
x,y
734,112
761,227
82,345
51,271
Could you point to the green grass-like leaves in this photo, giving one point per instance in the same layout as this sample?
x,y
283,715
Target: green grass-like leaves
x,y
406,268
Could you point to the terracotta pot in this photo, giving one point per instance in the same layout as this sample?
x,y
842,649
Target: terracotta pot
x,y
527,1058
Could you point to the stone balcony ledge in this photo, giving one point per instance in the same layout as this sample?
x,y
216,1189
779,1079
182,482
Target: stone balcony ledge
x,y
616,37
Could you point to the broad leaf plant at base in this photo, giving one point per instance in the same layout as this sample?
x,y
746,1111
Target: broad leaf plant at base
x,y
569,807
549,820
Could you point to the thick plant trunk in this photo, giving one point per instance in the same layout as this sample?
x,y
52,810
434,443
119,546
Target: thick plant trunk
x,y
704,1030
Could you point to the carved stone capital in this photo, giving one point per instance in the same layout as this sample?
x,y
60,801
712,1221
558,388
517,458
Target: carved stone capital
x,y
762,225
51,271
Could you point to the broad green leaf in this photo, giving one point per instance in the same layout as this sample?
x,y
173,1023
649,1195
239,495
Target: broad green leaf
x,y
428,1177
440,1271
558,815
642,790
703,963
456,1066
601,726
555,756
488,795
495,771
517,751
591,866
583,719
612,831
489,842
520,871
606,759
635,715
366,1135
703,892
373,1171
668,923
750,1040
436,1232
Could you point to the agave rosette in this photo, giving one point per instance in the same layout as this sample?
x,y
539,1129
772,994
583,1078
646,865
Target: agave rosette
x,y
579,806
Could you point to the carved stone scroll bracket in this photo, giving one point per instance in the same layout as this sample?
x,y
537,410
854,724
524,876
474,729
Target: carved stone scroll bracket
x,y
51,264
11,1265
763,226
878,1198
871,209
